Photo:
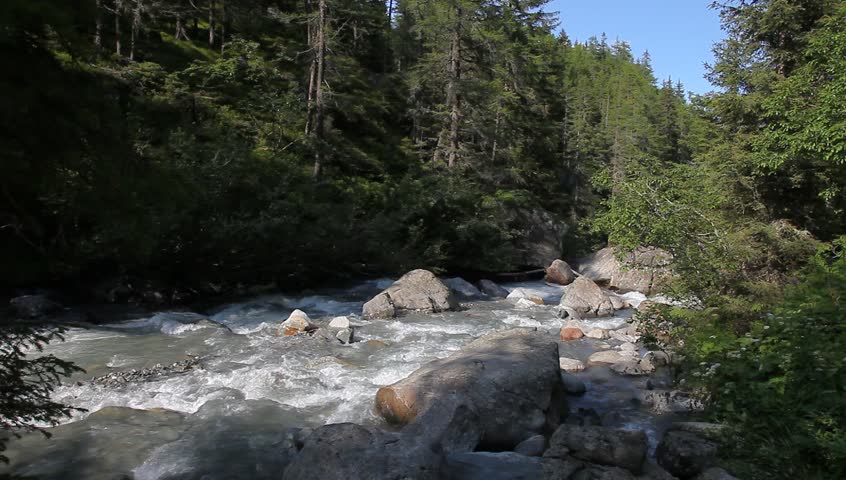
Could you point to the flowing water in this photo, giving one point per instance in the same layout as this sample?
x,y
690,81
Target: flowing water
x,y
229,417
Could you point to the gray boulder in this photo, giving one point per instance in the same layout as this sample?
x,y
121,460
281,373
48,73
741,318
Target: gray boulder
x,y
601,445
417,290
462,288
586,298
684,454
560,272
532,446
33,306
509,378
646,269
492,289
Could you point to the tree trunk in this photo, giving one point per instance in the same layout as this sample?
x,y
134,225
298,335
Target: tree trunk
x,y
452,90
118,8
180,33
211,23
222,25
319,93
98,27
136,26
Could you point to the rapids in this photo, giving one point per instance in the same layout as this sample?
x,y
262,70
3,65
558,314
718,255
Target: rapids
x,y
229,418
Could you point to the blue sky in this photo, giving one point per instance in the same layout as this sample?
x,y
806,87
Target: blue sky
x,y
678,33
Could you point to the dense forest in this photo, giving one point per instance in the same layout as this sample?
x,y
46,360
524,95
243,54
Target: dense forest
x,y
207,141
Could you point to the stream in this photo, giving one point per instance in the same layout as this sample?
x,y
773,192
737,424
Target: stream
x,y
232,414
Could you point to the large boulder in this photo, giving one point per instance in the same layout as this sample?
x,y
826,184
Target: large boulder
x,y
684,454
462,288
510,379
602,445
417,290
645,269
584,297
560,272
492,289
538,236
33,306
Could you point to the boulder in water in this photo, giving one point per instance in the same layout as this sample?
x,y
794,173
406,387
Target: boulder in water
x,y
597,334
345,335
297,322
602,445
560,272
524,294
685,455
586,298
33,306
492,289
462,288
417,290
572,330
509,378
340,322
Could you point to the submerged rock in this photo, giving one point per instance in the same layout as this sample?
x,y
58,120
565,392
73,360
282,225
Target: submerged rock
x,y
33,306
509,378
417,290
560,272
462,288
492,289
117,379
602,445
586,298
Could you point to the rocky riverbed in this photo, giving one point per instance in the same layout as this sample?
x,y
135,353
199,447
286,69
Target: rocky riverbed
x,y
234,393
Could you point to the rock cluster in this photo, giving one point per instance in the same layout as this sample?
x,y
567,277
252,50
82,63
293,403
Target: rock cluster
x,y
117,379
645,270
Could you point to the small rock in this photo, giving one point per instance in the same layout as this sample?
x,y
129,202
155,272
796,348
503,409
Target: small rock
x,y
572,384
618,303
571,365
572,330
376,344
297,322
607,357
617,335
597,333
521,293
340,322
525,303
532,446
628,367
671,401
684,454
628,347
492,289
560,272
658,358
345,336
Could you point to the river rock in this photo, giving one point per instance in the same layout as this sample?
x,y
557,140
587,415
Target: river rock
x,y
715,473
572,330
645,269
560,272
297,322
711,431
462,288
573,384
684,454
417,290
525,303
524,294
492,466
492,289
509,378
602,445
657,358
608,357
597,333
136,375
631,367
586,298
345,335
532,446
33,306
340,322
671,401
571,365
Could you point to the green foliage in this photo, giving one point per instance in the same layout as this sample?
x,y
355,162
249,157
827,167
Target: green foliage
x,y
27,382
